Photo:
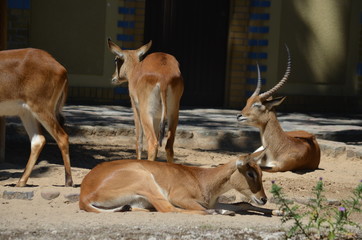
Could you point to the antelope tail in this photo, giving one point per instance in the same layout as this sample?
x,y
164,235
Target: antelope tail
x,y
60,104
163,122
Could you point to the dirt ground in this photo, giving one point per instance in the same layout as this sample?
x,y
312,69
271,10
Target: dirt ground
x,y
61,218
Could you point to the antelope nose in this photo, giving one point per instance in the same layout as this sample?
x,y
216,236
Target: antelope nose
x,y
240,117
264,200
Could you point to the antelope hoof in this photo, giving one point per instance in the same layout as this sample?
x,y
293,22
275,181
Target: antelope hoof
x,y
278,213
220,212
21,184
69,183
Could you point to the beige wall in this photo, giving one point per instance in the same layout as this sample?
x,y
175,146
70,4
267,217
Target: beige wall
x,y
76,32
79,31
323,40
323,37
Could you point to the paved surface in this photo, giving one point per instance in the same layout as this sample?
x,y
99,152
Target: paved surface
x,y
218,128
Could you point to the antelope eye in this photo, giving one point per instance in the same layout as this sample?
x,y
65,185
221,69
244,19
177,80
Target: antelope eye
x,y
250,174
257,104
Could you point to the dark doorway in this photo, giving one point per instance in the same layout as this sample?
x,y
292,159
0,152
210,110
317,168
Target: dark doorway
x,y
195,32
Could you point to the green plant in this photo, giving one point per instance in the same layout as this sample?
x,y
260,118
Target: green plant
x,y
320,220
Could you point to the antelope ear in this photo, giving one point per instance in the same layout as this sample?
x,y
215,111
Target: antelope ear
x,y
142,50
274,102
240,163
114,48
259,155
243,161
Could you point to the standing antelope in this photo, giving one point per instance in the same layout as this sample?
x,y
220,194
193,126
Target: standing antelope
x,y
168,187
286,151
33,86
155,88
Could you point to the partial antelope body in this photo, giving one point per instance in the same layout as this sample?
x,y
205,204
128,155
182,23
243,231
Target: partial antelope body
x,y
155,88
137,185
286,151
33,86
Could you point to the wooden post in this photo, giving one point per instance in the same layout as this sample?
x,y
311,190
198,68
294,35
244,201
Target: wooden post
x,y
3,24
2,139
3,45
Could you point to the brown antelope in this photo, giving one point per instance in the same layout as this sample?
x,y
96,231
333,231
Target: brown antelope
x,y
286,151
155,88
125,185
33,86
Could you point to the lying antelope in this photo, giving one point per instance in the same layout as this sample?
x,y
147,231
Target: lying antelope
x,y
167,187
155,88
287,151
33,86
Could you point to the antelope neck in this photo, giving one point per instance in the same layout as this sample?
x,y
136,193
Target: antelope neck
x,y
272,133
214,181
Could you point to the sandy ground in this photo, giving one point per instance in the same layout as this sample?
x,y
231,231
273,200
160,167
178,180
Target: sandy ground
x,y
61,218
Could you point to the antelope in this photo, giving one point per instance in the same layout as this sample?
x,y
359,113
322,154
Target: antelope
x,y
133,185
33,86
155,88
286,151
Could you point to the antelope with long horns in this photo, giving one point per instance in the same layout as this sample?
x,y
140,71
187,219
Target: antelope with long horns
x,y
286,151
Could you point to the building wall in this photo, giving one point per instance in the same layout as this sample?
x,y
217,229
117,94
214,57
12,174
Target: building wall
x,y
124,23
249,34
323,37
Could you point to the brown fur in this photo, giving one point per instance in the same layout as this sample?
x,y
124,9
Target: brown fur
x,y
285,151
168,187
155,87
33,79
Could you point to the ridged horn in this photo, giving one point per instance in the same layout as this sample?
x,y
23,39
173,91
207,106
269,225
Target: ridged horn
x,y
267,94
258,86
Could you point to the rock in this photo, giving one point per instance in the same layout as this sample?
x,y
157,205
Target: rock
x,y
50,194
18,195
72,197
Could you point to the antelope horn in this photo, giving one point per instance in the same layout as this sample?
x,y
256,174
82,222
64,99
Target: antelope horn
x,y
267,94
258,86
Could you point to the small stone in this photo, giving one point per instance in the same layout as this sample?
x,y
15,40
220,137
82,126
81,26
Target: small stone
x,y
18,195
72,197
50,194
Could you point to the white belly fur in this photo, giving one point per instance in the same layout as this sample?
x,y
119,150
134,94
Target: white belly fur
x,y
13,108
135,201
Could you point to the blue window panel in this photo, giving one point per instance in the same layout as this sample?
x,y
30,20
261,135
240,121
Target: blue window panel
x,y
259,16
254,81
258,42
19,4
125,10
126,24
253,68
125,37
260,3
359,69
252,55
121,90
259,29
257,55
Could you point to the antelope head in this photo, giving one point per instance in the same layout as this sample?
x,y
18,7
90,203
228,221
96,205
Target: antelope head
x,y
258,106
125,61
248,179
